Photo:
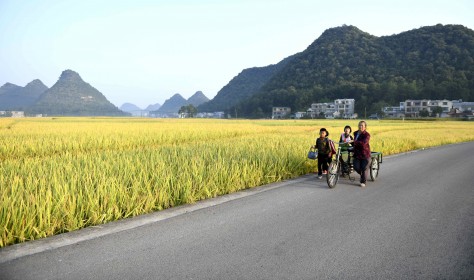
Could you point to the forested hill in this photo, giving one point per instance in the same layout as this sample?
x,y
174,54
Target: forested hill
x,y
13,97
434,62
242,87
71,96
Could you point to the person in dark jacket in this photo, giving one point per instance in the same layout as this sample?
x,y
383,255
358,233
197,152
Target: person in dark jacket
x,y
324,152
361,152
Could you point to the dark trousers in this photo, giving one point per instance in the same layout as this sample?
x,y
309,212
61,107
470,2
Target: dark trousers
x,y
360,166
323,161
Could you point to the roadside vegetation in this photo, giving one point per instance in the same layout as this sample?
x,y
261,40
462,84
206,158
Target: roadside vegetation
x,y
63,174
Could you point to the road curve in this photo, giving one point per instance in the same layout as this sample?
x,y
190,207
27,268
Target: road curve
x,y
415,222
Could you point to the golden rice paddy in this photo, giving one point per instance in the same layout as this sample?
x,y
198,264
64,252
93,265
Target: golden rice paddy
x,y
63,174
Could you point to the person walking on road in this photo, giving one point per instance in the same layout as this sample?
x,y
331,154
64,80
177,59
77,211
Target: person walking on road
x,y
361,152
323,144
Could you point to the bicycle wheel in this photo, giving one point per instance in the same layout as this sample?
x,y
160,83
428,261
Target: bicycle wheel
x,y
374,168
333,174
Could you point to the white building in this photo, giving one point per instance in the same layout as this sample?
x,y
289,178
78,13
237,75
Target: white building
x,y
18,114
411,108
463,106
281,112
209,115
322,109
299,115
414,107
395,112
344,108
340,108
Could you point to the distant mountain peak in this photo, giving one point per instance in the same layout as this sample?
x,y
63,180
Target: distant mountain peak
x,y
344,28
172,105
9,86
198,98
198,93
342,33
176,96
341,30
35,82
37,85
70,76
70,95
153,107
13,97
129,107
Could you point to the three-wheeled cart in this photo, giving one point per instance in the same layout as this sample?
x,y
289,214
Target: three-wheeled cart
x,y
340,168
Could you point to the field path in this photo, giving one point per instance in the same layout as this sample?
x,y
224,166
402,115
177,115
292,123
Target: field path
x,y
415,222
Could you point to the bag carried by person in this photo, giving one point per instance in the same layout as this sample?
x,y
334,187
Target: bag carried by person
x,y
312,153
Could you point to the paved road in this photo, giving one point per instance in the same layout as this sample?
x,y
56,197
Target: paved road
x,y
415,222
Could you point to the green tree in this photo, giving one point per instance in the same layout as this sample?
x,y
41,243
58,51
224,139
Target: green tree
x,y
377,108
189,110
424,113
436,112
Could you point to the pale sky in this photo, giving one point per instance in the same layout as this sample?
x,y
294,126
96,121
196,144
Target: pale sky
x,y
143,52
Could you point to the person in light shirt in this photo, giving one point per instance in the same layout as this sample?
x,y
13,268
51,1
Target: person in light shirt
x,y
346,141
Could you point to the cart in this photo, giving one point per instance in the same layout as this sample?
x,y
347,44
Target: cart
x,y
340,168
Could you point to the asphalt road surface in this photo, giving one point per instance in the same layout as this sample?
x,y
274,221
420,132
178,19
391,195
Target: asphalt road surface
x,y
415,222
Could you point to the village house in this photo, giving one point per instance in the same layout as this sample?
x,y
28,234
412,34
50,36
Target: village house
x,y
340,108
411,108
394,111
18,114
414,107
281,112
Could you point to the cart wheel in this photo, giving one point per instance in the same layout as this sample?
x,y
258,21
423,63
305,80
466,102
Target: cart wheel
x,y
333,174
374,168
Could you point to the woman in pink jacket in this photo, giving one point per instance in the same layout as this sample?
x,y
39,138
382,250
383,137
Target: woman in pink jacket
x,y
361,152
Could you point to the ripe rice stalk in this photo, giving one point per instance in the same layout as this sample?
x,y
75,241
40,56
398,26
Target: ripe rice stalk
x,y
63,174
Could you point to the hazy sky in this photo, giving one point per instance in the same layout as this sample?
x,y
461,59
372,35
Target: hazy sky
x,y
143,52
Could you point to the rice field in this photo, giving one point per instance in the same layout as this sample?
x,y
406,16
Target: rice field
x,y
63,174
